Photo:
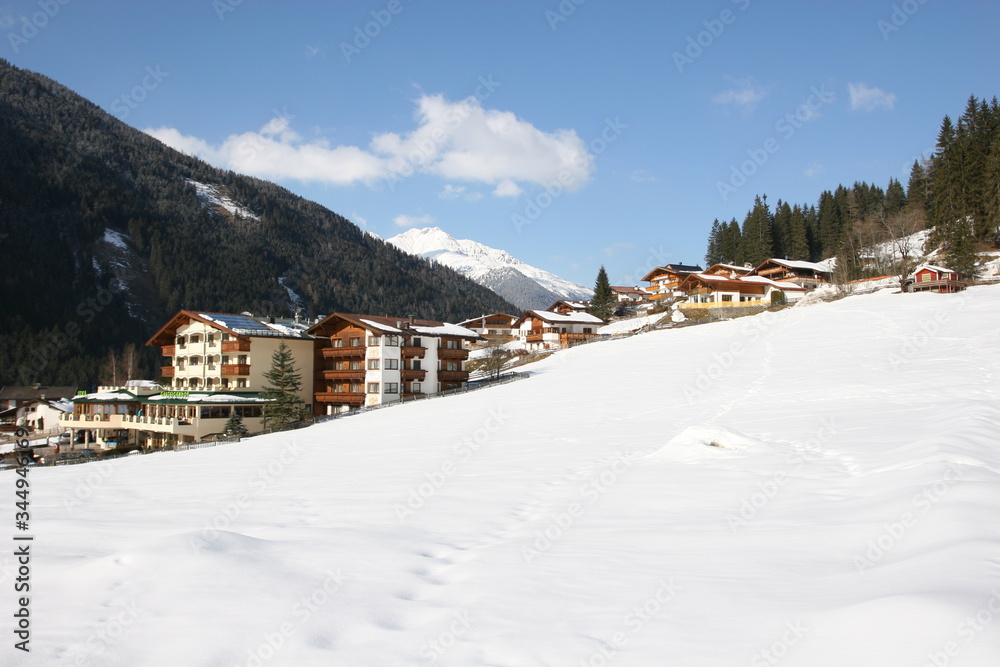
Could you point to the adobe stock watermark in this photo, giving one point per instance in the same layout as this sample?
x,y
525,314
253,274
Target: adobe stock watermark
x,y
86,486
253,143
432,650
773,654
900,14
723,362
223,7
590,492
635,621
463,450
563,11
259,481
363,35
124,104
967,629
894,531
655,257
108,633
704,39
428,147
785,127
302,611
566,179
30,26
752,504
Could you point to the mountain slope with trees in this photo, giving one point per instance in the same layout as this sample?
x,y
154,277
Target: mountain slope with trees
x,y
105,232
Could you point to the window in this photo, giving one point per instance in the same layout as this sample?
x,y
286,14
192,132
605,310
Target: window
x,y
356,366
209,383
416,342
373,341
215,412
338,342
392,340
415,387
225,336
373,387
356,387
355,342
588,330
195,338
727,297
249,410
225,358
241,383
180,341
451,344
225,383
242,359
194,361
415,364
211,340
391,388
180,363
392,364
373,364
451,366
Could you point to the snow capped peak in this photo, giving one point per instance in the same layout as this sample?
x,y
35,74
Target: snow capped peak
x,y
521,284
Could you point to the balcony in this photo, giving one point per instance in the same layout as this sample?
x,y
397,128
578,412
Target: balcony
x,y
413,374
235,346
445,353
344,374
168,350
535,338
343,353
167,371
569,338
342,397
236,369
453,376
409,351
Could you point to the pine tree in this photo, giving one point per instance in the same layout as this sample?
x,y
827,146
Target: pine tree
x,y
283,384
713,255
235,425
757,237
732,239
918,189
797,243
602,305
895,197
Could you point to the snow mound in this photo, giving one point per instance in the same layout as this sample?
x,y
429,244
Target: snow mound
x,y
698,443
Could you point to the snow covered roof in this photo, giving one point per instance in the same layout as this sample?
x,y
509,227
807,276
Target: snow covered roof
x,y
107,396
767,281
794,264
445,329
206,397
570,318
401,326
380,327
932,267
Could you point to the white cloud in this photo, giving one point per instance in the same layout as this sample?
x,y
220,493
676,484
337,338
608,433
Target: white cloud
x,y
865,98
813,169
412,220
457,141
508,188
641,176
360,219
745,94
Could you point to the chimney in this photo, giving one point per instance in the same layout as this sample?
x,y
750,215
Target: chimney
x,y
38,385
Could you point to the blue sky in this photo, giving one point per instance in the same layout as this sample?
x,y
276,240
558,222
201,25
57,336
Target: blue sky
x,y
571,134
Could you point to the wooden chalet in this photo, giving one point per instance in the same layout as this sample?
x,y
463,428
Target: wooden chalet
x,y
548,330
931,278
665,281
804,274
716,291
568,307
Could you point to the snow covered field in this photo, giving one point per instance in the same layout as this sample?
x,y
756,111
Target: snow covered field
x,y
818,486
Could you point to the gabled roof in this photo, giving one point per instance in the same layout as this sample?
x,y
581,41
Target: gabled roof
x,y
742,270
559,318
572,305
795,265
740,281
15,393
628,290
236,325
510,318
934,268
673,269
381,324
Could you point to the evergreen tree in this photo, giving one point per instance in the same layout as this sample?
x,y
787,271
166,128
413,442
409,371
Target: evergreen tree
x,y
757,237
781,225
713,255
895,197
797,243
918,189
732,239
235,425
283,384
603,303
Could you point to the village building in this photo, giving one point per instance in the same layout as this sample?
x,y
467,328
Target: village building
x,y
715,291
494,328
665,281
624,294
214,365
38,414
366,360
728,270
17,396
548,330
931,278
569,307
804,274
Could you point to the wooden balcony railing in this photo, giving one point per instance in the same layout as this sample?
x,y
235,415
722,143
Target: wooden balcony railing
x,y
235,346
168,350
343,353
236,369
167,371
344,374
453,376
348,398
445,353
413,374
410,351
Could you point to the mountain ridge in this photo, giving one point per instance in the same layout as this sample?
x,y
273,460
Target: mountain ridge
x,y
516,281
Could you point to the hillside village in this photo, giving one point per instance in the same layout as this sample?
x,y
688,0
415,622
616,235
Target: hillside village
x,y
214,365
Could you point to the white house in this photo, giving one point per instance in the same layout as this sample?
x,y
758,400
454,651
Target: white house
x,y
547,330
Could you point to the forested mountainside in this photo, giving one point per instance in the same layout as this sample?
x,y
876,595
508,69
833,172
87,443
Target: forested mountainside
x,y
105,232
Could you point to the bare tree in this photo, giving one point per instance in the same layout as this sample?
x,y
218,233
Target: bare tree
x,y
494,360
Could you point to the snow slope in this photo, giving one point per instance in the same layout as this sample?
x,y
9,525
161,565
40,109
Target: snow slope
x,y
818,486
523,285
